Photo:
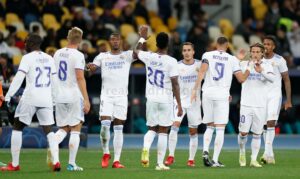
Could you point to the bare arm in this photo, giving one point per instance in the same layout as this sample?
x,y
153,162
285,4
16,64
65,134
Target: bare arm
x,y
176,93
288,91
201,73
82,86
242,77
141,44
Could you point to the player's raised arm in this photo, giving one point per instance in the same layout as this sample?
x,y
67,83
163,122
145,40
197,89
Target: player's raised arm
x,y
203,69
141,44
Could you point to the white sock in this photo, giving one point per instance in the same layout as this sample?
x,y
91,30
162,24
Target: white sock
x,y
193,146
60,135
73,146
161,147
118,141
148,139
219,140
207,137
255,146
105,135
16,144
242,140
53,145
265,138
269,141
173,140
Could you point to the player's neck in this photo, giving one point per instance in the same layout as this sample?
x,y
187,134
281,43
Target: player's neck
x,y
115,52
162,51
269,55
72,46
188,62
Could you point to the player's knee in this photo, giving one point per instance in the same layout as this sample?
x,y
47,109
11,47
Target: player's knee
x,y
18,125
47,129
102,118
176,124
162,129
243,133
193,131
210,124
119,122
155,128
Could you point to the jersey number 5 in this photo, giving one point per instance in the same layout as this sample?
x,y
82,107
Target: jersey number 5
x,y
156,77
219,67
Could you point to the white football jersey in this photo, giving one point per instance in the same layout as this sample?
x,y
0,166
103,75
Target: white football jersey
x,y
114,72
256,88
67,60
187,78
160,69
221,67
39,68
279,66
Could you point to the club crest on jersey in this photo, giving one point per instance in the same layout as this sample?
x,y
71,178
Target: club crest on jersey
x,y
122,57
155,64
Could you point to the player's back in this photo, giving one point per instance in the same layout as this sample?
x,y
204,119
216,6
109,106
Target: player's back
x,y
188,74
67,60
160,68
39,68
218,78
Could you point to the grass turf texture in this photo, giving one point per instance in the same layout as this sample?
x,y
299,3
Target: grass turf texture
x,y
33,165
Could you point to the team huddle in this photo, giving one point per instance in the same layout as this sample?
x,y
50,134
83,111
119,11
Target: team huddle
x,y
172,91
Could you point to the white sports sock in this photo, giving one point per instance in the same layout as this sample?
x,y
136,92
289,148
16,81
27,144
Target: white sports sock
x,y
173,140
219,140
161,147
148,139
105,135
193,146
73,146
242,140
60,135
265,138
118,141
16,144
207,137
269,141
53,145
255,146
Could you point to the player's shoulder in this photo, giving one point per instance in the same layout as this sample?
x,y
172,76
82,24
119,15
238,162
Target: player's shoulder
x,y
102,54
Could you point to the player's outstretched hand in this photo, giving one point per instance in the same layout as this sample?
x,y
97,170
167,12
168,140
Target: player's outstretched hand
x,y
92,67
143,31
86,106
288,105
180,112
241,54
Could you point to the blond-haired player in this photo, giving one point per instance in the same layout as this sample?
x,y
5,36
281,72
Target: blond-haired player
x,y
72,100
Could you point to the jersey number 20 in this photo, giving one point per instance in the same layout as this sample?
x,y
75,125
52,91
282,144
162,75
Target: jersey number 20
x,y
156,77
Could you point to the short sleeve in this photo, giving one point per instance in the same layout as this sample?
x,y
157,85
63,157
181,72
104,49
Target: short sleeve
x,y
235,65
80,62
204,58
282,66
143,56
243,65
98,59
24,65
173,68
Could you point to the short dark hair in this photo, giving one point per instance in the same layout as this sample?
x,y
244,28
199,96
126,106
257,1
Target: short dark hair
x,y
261,46
188,43
33,41
115,34
162,40
270,37
222,40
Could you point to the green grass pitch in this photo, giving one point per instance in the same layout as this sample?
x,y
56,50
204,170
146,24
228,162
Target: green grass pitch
x,y
33,165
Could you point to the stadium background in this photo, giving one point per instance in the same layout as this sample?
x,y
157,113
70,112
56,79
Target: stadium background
x,y
198,21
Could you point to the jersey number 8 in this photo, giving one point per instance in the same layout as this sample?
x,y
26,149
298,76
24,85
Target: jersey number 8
x,y
62,71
